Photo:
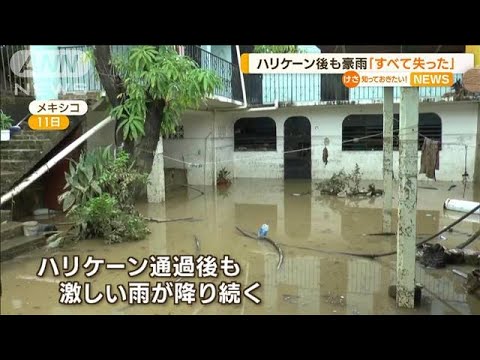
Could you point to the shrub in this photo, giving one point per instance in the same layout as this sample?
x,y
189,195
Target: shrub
x,y
102,217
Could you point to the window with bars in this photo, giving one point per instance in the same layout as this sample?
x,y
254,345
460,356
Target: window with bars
x,y
371,126
255,134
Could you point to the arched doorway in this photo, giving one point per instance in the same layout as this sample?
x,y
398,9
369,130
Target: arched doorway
x,y
297,136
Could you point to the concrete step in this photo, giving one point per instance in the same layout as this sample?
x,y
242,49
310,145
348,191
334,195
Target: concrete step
x,y
13,165
5,175
19,245
30,135
9,230
7,178
23,143
5,215
19,154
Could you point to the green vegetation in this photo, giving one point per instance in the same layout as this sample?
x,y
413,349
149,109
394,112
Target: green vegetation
x,y
152,87
5,121
100,196
342,182
103,217
159,74
223,177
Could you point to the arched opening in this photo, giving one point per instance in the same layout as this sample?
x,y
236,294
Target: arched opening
x,y
368,128
297,143
255,134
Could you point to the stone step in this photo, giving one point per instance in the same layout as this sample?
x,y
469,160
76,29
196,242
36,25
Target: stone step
x,y
9,230
7,178
20,154
7,174
24,143
19,245
13,165
5,215
30,135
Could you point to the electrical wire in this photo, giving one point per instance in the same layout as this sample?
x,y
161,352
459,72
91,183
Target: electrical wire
x,y
276,154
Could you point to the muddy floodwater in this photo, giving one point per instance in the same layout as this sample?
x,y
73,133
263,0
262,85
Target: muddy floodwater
x,y
300,220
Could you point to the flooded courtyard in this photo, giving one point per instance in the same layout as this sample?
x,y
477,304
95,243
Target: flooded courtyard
x,y
310,228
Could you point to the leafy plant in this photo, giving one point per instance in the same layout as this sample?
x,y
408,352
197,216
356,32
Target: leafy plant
x,y
6,121
99,172
223,176
355,178
337,183
102,217
121,181
100,196
85,178
154,73
342,181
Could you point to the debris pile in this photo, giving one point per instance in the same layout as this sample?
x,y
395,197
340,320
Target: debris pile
x,y
342,184
473,281
437,256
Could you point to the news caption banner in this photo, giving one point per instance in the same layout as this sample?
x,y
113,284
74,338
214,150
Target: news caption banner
x,y
53,115
182,267
412,70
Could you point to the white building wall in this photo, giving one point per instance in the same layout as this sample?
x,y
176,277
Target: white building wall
x,y
195,149
459,128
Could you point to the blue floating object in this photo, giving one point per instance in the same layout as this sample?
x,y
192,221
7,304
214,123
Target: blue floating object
x,y
263,231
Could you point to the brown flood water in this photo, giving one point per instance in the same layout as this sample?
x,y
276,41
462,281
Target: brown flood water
x,y
308,282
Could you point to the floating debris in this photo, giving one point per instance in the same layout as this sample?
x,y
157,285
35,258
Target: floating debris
x,y
334,299
279,250
292,299
197,243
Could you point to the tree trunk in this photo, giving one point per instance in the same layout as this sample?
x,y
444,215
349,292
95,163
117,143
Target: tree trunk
x,y
149,153
147,145
112,84
149,149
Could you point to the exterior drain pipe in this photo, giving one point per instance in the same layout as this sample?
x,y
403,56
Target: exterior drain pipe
x,y
242,78
244,93
43,169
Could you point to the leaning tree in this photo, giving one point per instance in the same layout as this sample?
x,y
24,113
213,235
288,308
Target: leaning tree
x,y
149,89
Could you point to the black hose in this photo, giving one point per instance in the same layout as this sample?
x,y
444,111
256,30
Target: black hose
x,y
373,256
469,240
451,225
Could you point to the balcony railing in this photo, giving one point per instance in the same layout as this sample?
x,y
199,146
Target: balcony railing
x,y
261,89
228,73
89,81
317,88
10,81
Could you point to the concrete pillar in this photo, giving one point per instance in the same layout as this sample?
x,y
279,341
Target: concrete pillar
x,y
407,199
476,172
156,184
214,155
387,158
